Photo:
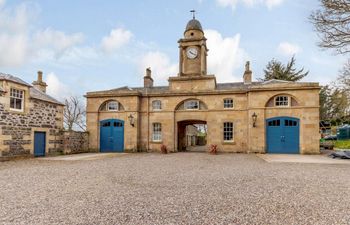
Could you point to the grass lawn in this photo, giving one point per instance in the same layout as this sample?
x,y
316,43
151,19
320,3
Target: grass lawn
x,y
342,144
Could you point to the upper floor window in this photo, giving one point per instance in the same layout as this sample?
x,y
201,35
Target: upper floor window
x,y
16,99
157,132
192,104
228,131
228,103
156,105
281,101
112,106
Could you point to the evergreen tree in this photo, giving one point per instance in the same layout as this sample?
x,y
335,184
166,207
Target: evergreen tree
x,y
276,70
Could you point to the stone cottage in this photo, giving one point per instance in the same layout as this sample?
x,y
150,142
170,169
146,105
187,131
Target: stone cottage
x,y
30,119
273,116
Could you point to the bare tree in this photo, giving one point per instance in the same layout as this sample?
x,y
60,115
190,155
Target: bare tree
x,y
74,114
344,77
332,24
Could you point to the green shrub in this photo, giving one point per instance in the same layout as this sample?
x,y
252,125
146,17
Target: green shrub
x,y
342,144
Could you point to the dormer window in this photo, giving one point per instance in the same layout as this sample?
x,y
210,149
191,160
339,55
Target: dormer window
x,y
156,105
281,101
16,99
192,105
112,106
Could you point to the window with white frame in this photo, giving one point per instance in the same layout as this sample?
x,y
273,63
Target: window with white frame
x,y
281,101
16,99
156,105
113,106
157,132
192,104
228,103
228,131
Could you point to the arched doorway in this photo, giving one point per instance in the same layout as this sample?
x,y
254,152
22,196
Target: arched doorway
x,y
282,135
112,135
192,135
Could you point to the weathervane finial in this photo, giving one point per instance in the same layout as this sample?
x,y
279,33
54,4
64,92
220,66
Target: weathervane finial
x,y
193,13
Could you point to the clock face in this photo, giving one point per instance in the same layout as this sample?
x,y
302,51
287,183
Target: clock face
x,y
192,53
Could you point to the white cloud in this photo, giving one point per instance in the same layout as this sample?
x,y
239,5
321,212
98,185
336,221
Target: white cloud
x,y
224,56
116,39
19,43
56,40
160,64
250,3
272,3
13,49
14,25
288,49
56,88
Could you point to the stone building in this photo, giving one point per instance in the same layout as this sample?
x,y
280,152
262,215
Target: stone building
x,y
273,116
30,120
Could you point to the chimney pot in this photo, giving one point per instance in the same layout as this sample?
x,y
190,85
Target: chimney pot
x,y
147,79
247,76
40,76
39,83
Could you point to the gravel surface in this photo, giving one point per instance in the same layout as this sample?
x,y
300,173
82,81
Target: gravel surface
x,y
181,188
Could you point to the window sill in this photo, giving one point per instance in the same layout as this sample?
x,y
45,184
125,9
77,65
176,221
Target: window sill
x,y
228,142
16,111
156,142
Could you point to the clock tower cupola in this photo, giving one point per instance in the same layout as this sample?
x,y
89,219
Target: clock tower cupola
x,y
193,50
192,76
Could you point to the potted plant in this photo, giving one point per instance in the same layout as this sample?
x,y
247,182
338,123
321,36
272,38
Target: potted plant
x,y
163,149
213,149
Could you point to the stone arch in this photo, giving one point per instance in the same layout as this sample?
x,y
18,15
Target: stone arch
x,y
103,106
293,100
181,105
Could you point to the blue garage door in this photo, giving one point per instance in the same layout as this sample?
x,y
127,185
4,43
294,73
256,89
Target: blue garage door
x,y
112,135
39,143
282,135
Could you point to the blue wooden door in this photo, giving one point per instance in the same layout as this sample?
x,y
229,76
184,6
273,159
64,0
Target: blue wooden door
x,y
112,135
39,143
282,135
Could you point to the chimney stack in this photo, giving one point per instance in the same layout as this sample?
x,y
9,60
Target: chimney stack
x,y
247,76
147,79
39,83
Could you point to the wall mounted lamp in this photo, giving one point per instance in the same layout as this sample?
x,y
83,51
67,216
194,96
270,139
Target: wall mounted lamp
x,y
131,120
254,117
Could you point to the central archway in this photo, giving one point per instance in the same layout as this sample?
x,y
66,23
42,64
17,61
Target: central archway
x,y
191,135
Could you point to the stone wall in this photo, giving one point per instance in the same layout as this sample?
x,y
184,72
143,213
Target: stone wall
x,y
17,128
246,137
75,142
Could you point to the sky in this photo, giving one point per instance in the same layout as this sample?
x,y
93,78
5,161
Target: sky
x,y
90,45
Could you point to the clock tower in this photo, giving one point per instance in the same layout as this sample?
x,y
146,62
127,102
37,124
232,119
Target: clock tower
x,y
193,50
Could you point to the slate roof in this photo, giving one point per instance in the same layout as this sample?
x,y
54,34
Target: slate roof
x,y
9,77
34,92
234,86
37,94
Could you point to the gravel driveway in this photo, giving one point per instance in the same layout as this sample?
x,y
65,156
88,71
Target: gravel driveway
x,y
181,188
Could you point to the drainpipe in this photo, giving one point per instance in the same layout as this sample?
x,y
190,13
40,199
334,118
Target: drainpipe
x,y
175,133
147,119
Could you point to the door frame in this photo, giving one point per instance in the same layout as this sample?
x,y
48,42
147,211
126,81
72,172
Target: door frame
x,y
45,143
123,127
283,127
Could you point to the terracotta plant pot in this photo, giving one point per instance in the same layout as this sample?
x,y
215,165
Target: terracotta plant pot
x,y
213,149
163,149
